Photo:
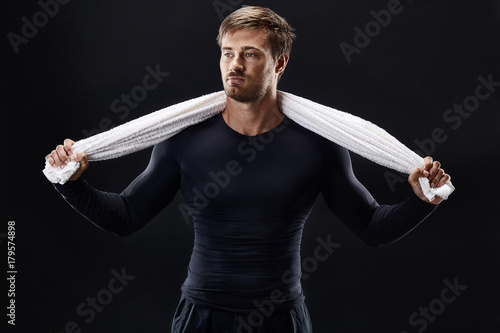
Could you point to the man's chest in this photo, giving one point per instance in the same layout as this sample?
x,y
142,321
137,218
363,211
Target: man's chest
x,y
277,171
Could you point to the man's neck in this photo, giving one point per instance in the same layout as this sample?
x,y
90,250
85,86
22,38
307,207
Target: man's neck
x,y
255,117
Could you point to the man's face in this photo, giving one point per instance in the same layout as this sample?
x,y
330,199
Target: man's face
x,y
247,65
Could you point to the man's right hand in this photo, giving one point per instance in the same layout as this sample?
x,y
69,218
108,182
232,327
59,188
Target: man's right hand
x,y
63,154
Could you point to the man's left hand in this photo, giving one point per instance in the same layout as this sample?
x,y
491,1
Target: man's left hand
x,y
432,171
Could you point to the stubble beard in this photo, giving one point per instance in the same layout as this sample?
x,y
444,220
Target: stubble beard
x,y
244,95
251,93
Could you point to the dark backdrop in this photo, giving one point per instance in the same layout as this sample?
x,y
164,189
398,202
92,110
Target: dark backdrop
x,y
61,82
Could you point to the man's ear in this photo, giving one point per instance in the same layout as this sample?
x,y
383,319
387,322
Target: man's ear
x,y
281,63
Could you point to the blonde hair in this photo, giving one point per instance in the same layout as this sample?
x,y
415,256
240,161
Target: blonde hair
x,y
280,34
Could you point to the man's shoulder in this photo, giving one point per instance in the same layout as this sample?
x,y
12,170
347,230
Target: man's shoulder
x,y
305,132
177,141
328,148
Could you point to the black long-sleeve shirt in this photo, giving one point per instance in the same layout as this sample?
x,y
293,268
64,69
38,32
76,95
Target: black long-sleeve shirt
x,y
249,198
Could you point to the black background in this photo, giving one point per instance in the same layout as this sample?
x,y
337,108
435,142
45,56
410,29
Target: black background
x,y
429,57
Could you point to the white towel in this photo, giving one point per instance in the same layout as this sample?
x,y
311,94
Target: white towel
x,y
354,133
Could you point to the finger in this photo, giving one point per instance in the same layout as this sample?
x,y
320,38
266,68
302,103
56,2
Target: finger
x,y
62,155
434,170
437,178
84,164
446,178
49,159
83,161
428,163
54,159
78,157
415,175
68,143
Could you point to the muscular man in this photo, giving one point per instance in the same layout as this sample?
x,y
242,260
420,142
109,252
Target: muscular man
x,y
250,177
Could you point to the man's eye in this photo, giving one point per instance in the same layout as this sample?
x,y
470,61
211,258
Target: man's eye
x,y
250,55
228,55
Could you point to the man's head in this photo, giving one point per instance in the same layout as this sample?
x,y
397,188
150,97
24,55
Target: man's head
x,y
256,45
279,33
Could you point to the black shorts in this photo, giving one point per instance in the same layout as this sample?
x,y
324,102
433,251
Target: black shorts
x,y
192,318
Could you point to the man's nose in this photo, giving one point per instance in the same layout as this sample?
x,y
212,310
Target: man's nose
x,y
237,65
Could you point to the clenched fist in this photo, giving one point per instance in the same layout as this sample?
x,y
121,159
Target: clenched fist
x,y
63,154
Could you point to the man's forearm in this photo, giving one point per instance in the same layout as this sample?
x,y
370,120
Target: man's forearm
x,y
106,210
391,222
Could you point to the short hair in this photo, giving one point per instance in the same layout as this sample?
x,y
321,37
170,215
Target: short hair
x,y
280,34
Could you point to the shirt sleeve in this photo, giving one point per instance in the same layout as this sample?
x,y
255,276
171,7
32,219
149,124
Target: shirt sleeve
x,y
373,223
129,211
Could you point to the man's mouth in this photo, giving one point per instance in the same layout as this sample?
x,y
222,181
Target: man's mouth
x,y
235,79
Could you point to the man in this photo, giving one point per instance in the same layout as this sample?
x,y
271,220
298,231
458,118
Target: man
x,y
250,177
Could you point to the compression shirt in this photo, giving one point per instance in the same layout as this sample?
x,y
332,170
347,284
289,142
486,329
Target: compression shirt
x,y
249,198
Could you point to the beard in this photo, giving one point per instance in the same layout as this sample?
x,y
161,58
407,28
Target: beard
x,y
251,91
244,95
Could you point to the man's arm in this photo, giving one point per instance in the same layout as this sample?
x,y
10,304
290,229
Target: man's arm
x,y
127,212
373,223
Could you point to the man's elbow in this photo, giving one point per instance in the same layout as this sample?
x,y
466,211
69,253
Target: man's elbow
x,y
371,240
118,231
